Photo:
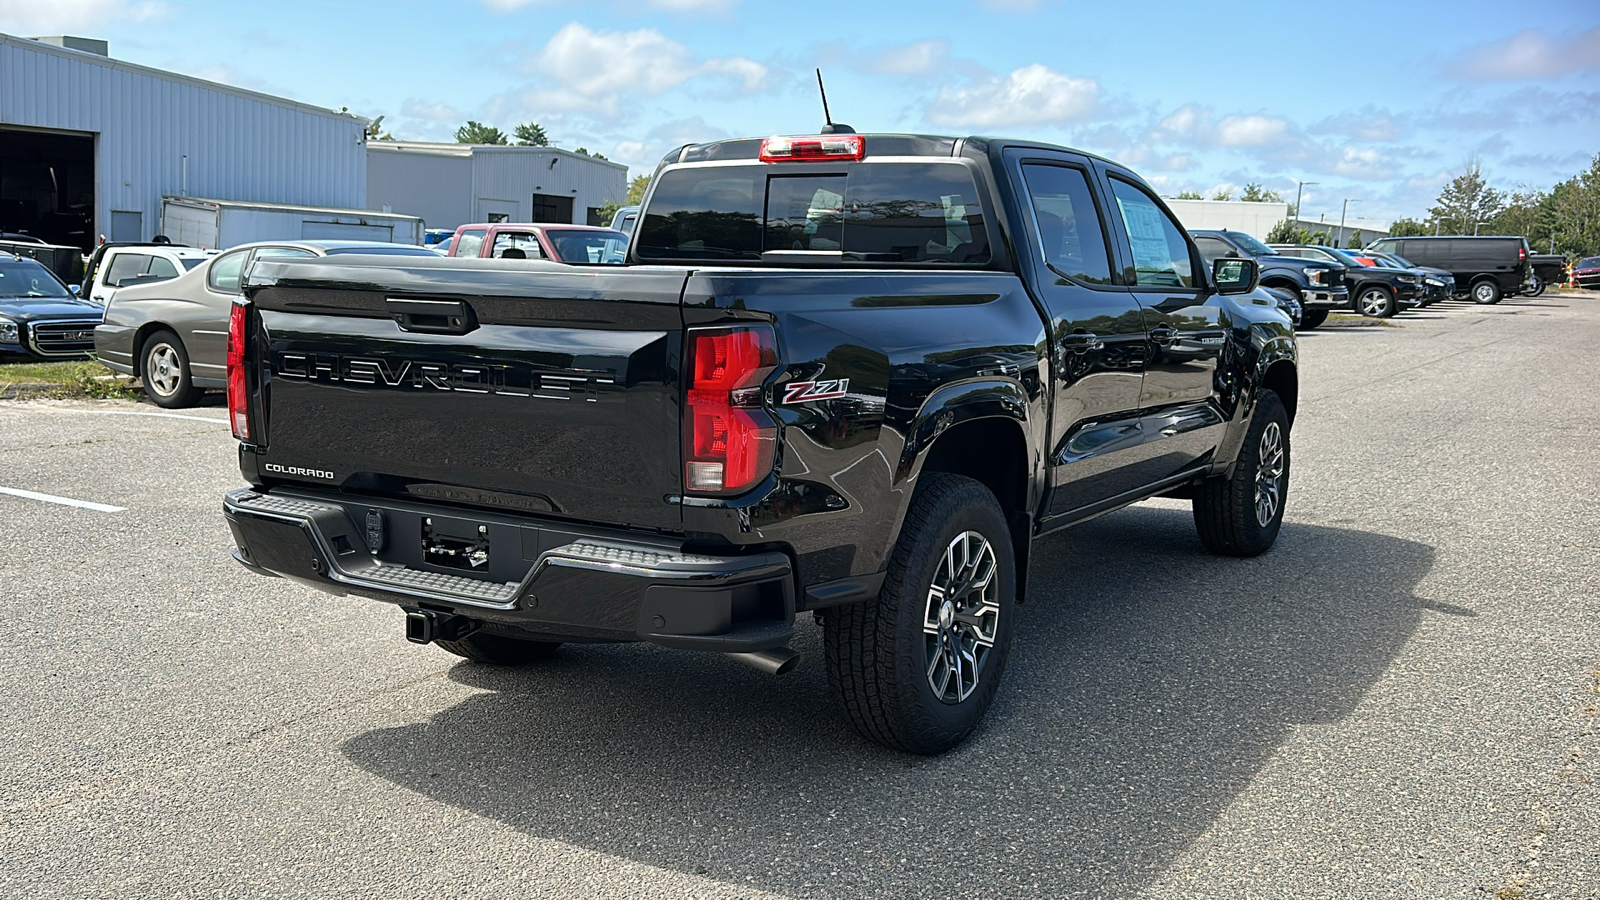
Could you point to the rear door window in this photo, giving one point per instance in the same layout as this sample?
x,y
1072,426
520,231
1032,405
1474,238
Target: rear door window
x,y
525,242
896,213
126,265
1070,232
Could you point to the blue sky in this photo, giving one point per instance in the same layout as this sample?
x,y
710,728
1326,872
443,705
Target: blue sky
x,y
1382,104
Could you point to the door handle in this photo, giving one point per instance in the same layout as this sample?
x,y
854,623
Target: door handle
x,y
1082,343
432,316
1163,334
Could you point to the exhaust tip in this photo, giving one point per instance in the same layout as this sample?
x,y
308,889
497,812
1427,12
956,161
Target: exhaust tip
x,y
777,661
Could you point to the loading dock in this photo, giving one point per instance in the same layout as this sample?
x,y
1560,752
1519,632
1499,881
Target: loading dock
x,y
47,185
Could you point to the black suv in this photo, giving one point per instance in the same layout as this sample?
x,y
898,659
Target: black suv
x,y
1375,291
1319,286
1486,268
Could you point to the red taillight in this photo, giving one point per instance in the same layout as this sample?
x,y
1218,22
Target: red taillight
x,y
728,439
1522,254
821,146
238,414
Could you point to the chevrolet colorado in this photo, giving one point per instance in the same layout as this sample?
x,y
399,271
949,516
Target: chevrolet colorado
x,y
851,375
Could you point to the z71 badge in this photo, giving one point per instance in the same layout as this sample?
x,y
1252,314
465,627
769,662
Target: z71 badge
x,y
804,391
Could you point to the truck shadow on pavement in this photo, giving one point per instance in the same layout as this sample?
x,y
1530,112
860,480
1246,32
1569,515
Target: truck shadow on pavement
x,y
1149,684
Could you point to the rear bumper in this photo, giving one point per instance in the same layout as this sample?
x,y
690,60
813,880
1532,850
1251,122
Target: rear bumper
x,y
564,582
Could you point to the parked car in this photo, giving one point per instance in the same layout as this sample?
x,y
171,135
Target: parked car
x,y
116,266
39,315
1320,287
625,218
173,334
1544,269
705,447
1486,268
1375,291
1438,284
1586,272
572,244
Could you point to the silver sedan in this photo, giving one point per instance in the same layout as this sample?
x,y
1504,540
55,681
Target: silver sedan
x,y
173,334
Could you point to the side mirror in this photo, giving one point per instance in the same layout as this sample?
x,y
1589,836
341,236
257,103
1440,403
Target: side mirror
x,y
73,289
1235,276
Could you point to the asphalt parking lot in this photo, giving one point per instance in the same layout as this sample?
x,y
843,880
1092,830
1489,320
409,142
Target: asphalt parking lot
x,y
1399,700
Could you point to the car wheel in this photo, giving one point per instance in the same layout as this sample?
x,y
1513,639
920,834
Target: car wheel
x,y
499,650
917,668
1240,513
1311,318
165,372
1486,292
1375,302
1535,286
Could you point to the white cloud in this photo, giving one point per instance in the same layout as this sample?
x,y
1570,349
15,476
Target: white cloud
x,y
911,59
1365,124
1249,131
1529,54
593,70
432,112
1032,95
45,17
1185,119
682,6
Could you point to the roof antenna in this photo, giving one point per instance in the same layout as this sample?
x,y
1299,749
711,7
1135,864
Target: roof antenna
x,y
830,127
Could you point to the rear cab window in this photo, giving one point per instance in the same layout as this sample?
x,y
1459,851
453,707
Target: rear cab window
x,y
920,214
467,243
124,266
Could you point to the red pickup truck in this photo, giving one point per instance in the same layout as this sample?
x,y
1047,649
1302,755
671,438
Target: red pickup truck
x,y
560,243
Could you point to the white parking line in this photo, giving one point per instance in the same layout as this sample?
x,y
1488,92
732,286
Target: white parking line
x,y
125,412
64,501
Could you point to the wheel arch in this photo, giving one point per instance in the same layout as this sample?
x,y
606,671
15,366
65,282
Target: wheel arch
x,y
143,335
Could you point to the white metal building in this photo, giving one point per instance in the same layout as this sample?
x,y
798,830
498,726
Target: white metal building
x,y
89,145
1252,218
453,184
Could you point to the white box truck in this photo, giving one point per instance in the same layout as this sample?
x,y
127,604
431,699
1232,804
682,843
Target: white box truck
x,y
220,224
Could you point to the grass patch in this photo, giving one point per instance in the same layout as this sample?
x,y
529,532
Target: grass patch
x,y
84,378
1350,320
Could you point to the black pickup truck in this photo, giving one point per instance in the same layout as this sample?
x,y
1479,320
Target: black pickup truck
x,y
1319,286
850,375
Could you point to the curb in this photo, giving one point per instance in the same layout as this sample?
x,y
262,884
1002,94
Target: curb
x,y
26,391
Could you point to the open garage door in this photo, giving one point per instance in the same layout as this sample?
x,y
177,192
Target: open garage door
x,y
47,186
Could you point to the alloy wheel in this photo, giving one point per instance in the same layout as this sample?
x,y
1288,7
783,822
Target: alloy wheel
x,y
1269,474
1374,302
962,617
163,370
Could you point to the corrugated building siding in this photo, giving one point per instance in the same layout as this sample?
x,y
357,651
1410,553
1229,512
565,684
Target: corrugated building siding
x,y
434,186
240,146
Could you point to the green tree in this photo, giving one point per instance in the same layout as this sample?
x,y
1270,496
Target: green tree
x,y
636,189
1408,228
1354,243
1285,232
1255,193
479,133
530,134
584,151
1223,194
1467,202
1189,195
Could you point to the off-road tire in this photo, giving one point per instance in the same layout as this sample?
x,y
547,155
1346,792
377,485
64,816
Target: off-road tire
x,y
1225,506
499,650
878,654
1311,318
171,387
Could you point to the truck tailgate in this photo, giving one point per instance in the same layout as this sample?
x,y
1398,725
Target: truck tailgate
x,y
519,386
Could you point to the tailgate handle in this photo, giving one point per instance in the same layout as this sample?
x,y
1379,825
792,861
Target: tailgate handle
x,y
432,316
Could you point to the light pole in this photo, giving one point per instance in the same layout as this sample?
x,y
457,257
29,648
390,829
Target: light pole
x,y
1347,202
1297,192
